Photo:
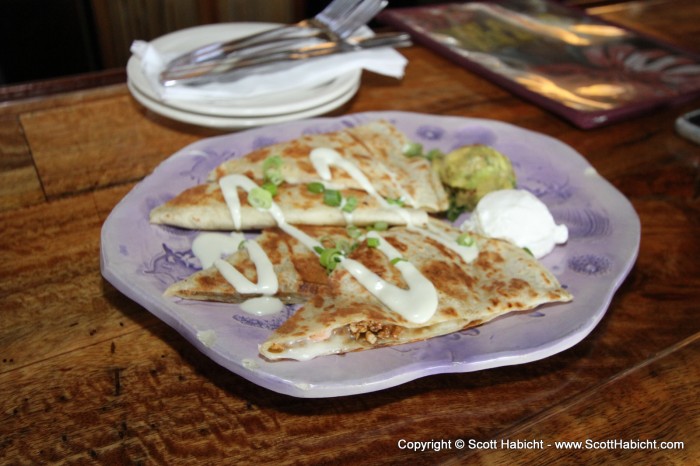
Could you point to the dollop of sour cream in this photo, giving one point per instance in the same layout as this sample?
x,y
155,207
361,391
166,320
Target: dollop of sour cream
x,y
520,217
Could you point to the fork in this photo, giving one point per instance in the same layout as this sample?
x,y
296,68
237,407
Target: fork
x,y
336,22
200,73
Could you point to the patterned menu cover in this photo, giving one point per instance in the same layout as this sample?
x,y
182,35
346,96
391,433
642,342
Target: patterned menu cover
x,y
586,70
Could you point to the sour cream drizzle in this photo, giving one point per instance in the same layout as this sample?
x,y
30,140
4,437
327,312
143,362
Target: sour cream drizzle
x,y
322,158
262,305
229,187
267,278
417,304
210,247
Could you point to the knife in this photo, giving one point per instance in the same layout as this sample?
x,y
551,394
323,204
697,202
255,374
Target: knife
x,y
204,72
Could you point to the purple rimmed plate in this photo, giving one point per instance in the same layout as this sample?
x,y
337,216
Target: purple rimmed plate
x,y
142,260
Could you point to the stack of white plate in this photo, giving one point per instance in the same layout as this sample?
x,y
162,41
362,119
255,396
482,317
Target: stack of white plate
x,y
235,113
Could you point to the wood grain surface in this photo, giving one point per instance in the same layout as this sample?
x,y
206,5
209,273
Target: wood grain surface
x,y
87,376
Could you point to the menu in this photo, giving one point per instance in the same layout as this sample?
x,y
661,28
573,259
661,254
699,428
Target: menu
x,y
586,70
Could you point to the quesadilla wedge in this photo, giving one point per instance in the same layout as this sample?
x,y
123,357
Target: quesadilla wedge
x,y
203,207
346,317
376,149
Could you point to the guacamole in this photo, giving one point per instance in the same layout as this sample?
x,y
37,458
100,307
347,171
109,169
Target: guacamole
x,y
470,172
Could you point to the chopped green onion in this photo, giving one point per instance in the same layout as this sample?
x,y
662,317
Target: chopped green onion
x,y
354,232
241,245
270,187
274,161
413,149
260,198
373,242
345,246
465,239
316,187
318,249
396,260
271,170
380,226
398,202
350,204
527,250
274,176
434,154
332,197
330,257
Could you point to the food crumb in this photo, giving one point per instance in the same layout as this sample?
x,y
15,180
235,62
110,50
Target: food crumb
x,y
207,337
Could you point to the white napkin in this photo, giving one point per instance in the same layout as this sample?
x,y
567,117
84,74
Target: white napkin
x,y
301,75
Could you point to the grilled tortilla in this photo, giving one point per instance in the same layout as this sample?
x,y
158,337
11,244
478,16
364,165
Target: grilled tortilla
x,y
203,208
347,317
376,149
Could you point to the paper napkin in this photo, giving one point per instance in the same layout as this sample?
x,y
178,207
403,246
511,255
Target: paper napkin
x,y
282,78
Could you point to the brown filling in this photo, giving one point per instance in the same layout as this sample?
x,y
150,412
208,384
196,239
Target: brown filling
x,y
372,331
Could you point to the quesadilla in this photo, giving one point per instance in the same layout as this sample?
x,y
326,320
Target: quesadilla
x,y
448,287
376,149
347,316
203,207
365,164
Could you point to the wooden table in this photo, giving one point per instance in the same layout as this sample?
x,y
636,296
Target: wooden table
x,y
88,375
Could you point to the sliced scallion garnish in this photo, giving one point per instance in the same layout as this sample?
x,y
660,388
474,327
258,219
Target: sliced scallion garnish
x,y
380,226
354,231
270,187
332,198
260,198
413,149
272,172
315,187
330,258
274,161
350,204
397,202
465,239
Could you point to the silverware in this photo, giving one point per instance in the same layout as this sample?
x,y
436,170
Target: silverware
x,y
212,70
337,21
